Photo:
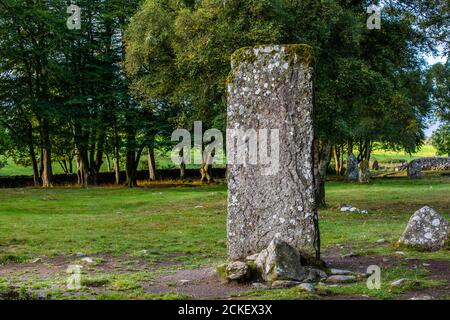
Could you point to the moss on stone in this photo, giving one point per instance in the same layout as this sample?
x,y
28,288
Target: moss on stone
x,y
303,52
230,77
222,272
245,54
254,272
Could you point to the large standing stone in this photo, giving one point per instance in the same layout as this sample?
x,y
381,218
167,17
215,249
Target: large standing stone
x,y
426,230
270,87
352,168
364,172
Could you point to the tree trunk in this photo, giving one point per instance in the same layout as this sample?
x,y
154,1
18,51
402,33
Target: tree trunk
x,y
338,164
63,165
182,165
96,165
78,171
350,147
34,164
117,169
151,163
132,157
116,157
46,151
70,165
369,150
108,161
83,168
131,165
323,154
206,169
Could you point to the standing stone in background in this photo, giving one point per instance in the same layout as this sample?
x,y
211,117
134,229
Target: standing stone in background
x,y
364,172
270,87
352,168
415,170
376,165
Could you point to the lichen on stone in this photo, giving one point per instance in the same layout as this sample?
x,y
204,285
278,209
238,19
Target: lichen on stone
x,y
298,53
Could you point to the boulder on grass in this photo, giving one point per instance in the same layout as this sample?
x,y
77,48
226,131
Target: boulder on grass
x,y
427,230
280,261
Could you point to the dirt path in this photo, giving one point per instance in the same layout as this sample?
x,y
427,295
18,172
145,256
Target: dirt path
x,y
202,283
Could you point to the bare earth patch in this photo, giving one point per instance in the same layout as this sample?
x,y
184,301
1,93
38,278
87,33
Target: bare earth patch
x,y
201,283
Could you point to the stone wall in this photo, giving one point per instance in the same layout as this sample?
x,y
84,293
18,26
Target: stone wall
x,y
431,163
434,163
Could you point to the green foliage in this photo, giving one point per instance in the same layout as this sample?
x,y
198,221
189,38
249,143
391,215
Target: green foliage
x,y
439,76
65,92
441,140
369,85
5,144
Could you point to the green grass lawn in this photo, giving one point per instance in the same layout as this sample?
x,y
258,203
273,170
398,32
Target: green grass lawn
x,y
189,224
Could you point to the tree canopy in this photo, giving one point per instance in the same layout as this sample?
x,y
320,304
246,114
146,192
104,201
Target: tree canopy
x,y
370,84
136,70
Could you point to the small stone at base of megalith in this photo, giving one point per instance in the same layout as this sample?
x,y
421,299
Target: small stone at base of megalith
x,y
238,271
280,261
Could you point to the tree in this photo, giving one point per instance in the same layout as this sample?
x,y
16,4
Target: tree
x,y
96,90
5,144
369,84
29,33
439,78
66,85
441,140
